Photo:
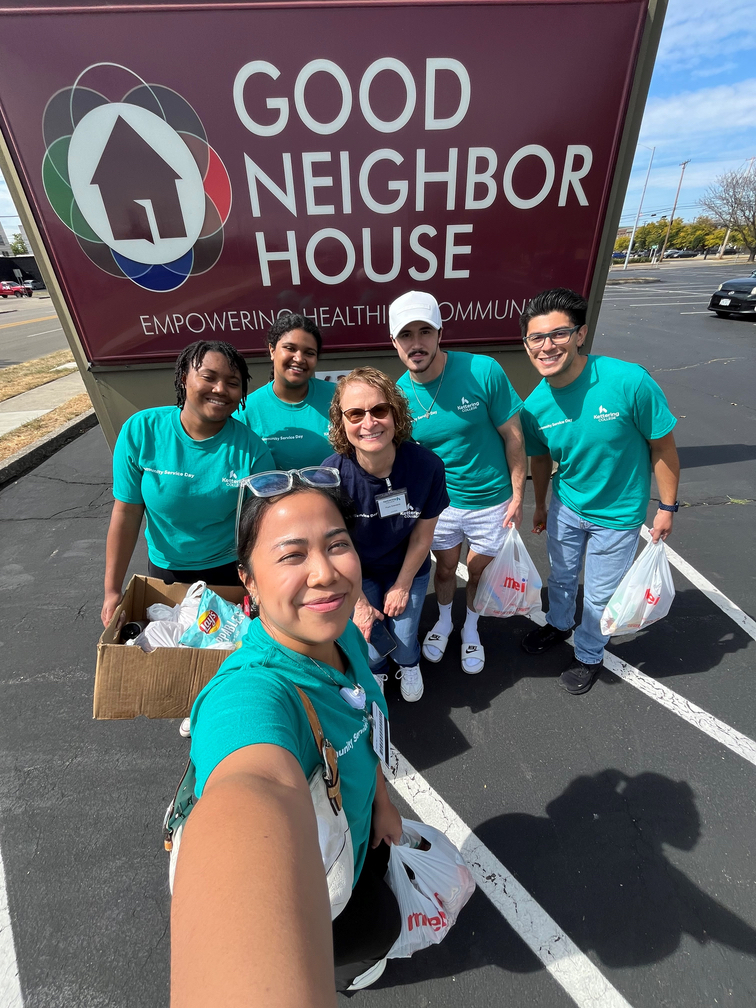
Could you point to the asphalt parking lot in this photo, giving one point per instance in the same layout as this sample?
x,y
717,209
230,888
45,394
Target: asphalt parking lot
x,y
611,834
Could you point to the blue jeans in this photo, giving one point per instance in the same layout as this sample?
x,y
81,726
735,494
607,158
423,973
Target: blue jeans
x,y
608,555
402,628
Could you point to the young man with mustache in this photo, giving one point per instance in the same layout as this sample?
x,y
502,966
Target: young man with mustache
x,y
465,410
606,424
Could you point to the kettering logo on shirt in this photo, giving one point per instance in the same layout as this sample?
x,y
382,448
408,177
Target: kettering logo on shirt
x,y
232,480
465,406
604,414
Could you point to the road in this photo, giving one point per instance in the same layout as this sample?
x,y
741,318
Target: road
x,y
29,328
613,832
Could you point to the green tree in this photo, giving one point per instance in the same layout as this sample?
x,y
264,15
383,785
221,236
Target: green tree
x,y
17,244
731,201
703,233
621,244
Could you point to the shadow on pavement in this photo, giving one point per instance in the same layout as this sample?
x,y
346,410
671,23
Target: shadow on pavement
x,y
707,455
596,864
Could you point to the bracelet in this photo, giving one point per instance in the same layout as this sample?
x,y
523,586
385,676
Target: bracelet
x,y
669,507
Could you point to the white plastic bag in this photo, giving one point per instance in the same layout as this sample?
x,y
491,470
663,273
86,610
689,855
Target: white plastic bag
x,y
162,613
510,584
431,899
644,594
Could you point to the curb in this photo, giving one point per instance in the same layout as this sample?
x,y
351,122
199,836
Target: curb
x,y
35,454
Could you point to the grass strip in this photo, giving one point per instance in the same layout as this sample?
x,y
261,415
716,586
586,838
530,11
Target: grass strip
x,y
31,374
28,433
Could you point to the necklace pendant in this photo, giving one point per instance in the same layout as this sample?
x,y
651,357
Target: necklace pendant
x,y
354,697
426,416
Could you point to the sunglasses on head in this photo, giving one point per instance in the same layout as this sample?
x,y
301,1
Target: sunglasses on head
x,y
378,412
279,481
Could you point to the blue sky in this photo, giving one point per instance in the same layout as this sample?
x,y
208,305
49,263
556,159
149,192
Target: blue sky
x,y
701,105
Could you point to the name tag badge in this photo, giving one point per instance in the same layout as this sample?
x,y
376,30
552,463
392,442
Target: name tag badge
x,y
380,734
391,503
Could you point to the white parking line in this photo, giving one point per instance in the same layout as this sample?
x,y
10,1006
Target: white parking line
x,y
570,967
690,712
711,591
10,987
56,329
662,304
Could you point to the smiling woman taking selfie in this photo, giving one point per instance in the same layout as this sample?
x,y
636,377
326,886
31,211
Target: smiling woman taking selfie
x,y
250,915
180,467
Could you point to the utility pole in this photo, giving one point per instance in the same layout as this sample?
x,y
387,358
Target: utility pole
x,y
672,215
640,205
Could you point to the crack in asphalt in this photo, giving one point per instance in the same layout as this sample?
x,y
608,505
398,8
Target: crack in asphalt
x,y
715,360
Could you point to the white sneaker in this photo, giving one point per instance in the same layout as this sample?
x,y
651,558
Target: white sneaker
x,y
185,730
412,682
369,976
380,679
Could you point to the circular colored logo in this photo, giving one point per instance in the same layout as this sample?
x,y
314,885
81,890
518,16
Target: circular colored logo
x,y
209,622
135,179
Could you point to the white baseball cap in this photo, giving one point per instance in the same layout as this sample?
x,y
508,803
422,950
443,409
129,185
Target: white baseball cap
x,y
413,307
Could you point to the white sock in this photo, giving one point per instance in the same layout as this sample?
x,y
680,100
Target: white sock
x,y
444,625
470,629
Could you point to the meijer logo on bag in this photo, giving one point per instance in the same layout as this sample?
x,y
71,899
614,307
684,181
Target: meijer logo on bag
x,y
417,920
650,597
519,586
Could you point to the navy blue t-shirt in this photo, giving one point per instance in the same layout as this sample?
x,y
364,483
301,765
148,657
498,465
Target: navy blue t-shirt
x,y
381,543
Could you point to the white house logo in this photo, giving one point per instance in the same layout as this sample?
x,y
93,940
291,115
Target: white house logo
x,y
604,414
129,171
465,405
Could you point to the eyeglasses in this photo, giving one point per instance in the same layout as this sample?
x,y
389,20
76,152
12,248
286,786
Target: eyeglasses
x,y
557,336
378,412
279,481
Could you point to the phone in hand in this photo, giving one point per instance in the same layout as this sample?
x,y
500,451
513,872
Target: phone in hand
x,y
381,639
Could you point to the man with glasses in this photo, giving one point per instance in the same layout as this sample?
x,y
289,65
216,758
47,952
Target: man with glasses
x,y
465,410
606,425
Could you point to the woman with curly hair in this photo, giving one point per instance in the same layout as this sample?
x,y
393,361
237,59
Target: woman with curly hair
x,y
399,490
180,466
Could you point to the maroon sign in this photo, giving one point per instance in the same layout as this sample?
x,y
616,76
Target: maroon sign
x,y
196,172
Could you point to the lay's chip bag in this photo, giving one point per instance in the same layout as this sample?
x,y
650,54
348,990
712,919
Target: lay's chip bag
x,y
218,624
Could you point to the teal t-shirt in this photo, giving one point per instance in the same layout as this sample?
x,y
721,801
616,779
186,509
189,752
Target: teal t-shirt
x,y
251,700
472,398
597,429
296,433
189,488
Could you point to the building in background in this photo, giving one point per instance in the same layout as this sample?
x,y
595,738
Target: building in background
x,y
5,249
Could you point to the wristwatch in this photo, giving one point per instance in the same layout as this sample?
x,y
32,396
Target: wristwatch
x,y
669,507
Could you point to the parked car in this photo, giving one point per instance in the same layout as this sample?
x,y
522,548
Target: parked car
x,y
735,297
33,285
10,288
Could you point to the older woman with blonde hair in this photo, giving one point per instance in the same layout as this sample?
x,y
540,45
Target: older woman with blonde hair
x,y
399,490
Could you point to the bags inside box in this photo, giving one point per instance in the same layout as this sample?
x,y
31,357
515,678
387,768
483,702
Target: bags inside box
x,y
201,620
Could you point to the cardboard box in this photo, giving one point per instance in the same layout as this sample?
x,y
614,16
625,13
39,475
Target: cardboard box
x,y
164,683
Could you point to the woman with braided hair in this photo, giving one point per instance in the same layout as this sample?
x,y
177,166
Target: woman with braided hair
x,y
180,467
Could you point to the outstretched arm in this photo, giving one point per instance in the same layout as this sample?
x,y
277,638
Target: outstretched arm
x,y
250,920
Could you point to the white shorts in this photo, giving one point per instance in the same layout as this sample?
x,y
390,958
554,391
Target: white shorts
x,y
482,528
